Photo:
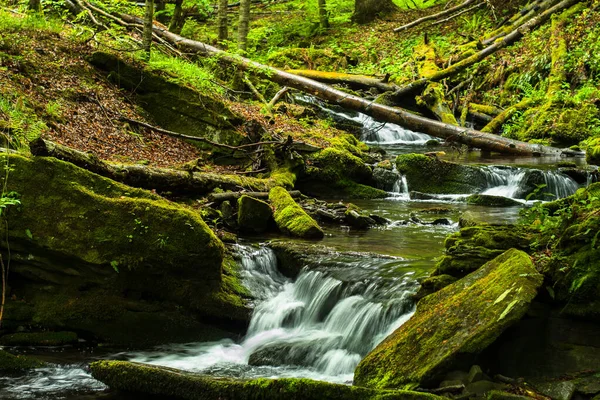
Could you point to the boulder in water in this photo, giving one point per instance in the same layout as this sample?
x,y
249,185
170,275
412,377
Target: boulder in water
x,y
11,363
291,218
429,174
162,381
384,178
357,218
492,201
253,215
453,325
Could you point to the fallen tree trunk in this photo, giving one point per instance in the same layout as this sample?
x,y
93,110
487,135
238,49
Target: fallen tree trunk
x,y
231,196
359,82
435,16
497,45
162,180
380,112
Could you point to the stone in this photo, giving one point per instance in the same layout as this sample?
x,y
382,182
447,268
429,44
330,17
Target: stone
x,y
385,179
434,283
356,218
479,388
291,218
12,363
39,339
253,215
452,326
492,201
557,390
500,395
475,374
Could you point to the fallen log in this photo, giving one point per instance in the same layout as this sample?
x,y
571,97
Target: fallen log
x,y
472,138
435,16
359,82
231,196
497,45
162,180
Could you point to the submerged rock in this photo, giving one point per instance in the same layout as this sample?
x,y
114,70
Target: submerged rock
x,y
162,381
291,218
453,325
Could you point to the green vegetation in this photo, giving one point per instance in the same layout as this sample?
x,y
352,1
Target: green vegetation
x,y
291,218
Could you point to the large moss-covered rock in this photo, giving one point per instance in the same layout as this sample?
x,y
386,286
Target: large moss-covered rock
x,y
172,105
432,175
473,246
112,262
161,381
11,363
253,215
492,201
291,218
452,326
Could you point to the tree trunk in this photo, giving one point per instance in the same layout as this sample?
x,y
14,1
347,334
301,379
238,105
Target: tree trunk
x,y
148,23
35,6
367,10
323,16
356,82
244,24
178,19
378,111
447,11
223,35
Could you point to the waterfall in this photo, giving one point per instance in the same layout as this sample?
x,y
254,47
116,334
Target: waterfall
x,y
504,182
316,326
400,188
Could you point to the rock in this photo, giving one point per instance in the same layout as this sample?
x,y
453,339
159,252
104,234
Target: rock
x,y
229,214
9,362
592,154
441,221
291,218
577,174
432,175
385,164
434,283
385,179
168,382
557,390
476,374
432,143
479,388
500,395
453,325
422,196
100,239
451,383
356,218
254,215
39,339
492,201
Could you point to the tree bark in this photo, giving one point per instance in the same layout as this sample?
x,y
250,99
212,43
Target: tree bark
x,y
367,10
434,16
323,15
244,25
357,82
148,23
178,19
162,180
496,46
378,111
229,196
35,6
223,34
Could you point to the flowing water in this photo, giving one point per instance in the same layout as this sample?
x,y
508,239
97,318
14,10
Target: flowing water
x,y
340,306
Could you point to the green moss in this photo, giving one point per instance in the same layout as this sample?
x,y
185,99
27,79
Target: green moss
x,y
592,153
161,381
431,175
333,165
291,218
492,201
9,362
453,325
39,339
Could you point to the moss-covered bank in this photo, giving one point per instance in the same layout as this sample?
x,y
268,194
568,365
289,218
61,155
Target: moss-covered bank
x,y
152,380
451,326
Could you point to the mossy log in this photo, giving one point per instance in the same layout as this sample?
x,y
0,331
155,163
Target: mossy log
x,y
432,17
497,45
495,124
451,326
159,179
291,218
377,111
162,381
229,196
357,82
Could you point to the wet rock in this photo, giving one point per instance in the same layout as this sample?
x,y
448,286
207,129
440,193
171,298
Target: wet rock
x,y
168,382
433,143
434,283
384,179
442,221
556,390
254,215
414,195
229,214
432,175
357,218
12,363
453,325
39,339
578,175
492,201
476,374
291,218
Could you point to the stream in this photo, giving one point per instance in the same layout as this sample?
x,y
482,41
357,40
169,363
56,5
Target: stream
x,y
340,306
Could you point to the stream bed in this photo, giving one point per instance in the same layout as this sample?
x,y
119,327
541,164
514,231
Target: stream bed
x,y
339,308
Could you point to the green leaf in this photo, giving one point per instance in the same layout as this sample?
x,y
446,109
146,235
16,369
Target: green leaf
x,y
115,265
28,233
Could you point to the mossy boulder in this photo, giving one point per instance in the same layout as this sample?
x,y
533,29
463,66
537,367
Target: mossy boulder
x,y
473,246
111,262
161,381
492,201
291,218
453,325
173,105
357,218
12,363
592,154
434,283
253,215
432,175
384,178
39,339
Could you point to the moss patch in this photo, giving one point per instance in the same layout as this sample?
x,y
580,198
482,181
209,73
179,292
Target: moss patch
x,y
453,325
291,218
9,362
39,339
